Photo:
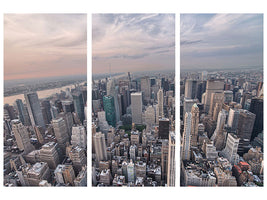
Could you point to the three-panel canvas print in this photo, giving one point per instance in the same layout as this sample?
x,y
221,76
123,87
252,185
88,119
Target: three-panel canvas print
x,y
122,127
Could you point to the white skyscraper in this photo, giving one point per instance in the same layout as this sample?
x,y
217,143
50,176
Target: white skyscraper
x,y
100,147
220,124
78,136
150,115
230,150
61,133
160,103
130,172
136,107
21,136
186,137
171,160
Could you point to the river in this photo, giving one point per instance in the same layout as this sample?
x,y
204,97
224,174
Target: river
x,y
41,94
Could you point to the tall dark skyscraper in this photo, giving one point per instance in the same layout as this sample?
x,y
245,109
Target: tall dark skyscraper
x,y
21,110
108,103
244,129
164,124
256,107
34,109
46,111
78,105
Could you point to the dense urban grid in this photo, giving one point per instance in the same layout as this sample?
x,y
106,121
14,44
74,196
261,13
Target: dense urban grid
x,y
45,140
133,130
222,128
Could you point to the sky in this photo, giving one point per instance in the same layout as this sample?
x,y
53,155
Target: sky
x,y
217,41
44,45
133,42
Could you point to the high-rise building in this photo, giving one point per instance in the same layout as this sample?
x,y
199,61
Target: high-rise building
x,y
100,147
46,107
164,160
21,136
34,109
64,174
230,150
171,160
216,104
190,89
256,107
21,110
188,103
79,105
186,143
194,125
78,158
233,119
136,107
244,130
213,85
150,116
220,124
145,88
108,103
78,136
160,103
61,133
113,91
130,172
164,125
49,154
228,96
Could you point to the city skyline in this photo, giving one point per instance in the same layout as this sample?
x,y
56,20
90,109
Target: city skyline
x,y
44,45
217,41
132,42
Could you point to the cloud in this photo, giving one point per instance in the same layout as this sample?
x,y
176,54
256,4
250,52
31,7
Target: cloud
x,y
39,41
229,39
131,37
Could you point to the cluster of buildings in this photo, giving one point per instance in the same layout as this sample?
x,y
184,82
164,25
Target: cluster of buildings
x,y
221,128
45,140
133,130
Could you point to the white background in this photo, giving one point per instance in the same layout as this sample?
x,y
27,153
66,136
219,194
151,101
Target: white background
x,y
124,6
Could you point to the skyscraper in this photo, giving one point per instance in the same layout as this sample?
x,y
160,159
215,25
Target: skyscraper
x,y
186,137
21,136
145,88
108,103
49,154
171,160
213,85
190,89
78,136
244,130
79,105
256,107
100,147
46,107
21,110
136,107
194,125
164,125
34,109
61,133
160,103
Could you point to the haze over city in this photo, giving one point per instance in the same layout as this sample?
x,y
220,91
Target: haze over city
x,y
44,45
133,42
218,41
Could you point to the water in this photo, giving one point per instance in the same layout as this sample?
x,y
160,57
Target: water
x,y
41,94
